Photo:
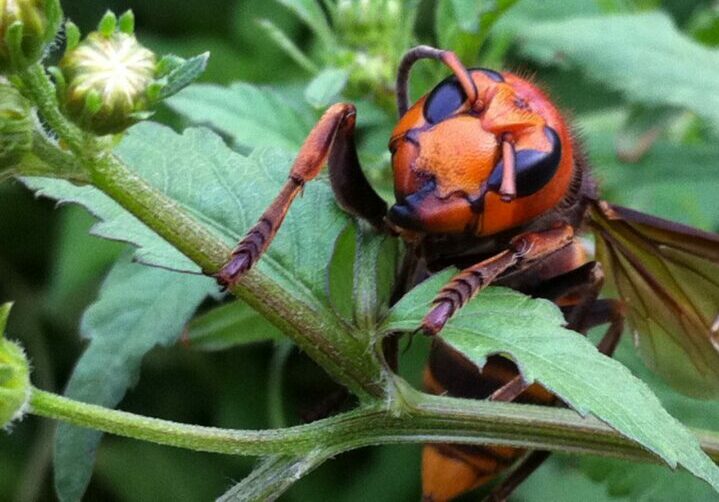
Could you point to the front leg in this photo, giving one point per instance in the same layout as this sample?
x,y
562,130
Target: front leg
x,y
524,250
331,141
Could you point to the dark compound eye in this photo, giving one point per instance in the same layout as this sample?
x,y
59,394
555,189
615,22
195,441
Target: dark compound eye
x,y
534,168
444,100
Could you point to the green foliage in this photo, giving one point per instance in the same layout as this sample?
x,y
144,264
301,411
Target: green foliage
x,y
229,325
15,126
642,55
253,117
127,321
502,321
326,87
225,190
672,179
14,376
643,86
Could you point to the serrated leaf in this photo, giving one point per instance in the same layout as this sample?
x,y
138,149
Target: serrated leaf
x,y
529,331
326,87
643,482
227,326
226,191
79,260
139,308
253,117
184,75
642,55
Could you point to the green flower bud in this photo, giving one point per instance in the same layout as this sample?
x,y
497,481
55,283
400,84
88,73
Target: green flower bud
x,y
363,23
26,28
15,126
106,78
14,376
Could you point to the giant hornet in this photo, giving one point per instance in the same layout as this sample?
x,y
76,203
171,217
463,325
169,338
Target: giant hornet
x,y
488,177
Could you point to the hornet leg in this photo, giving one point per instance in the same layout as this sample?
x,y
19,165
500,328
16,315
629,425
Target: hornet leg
x,y
524,250
330,141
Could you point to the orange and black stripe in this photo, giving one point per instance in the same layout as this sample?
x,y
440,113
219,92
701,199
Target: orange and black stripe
x,y
449,470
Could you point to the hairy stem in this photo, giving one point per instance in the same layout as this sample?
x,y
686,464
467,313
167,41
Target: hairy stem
x,y
41,92
426,419
273,477
324,338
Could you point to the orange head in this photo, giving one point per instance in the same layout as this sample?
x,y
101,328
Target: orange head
x,y
482,164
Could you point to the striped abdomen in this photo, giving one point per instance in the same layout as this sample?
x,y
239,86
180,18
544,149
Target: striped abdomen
x,y
449,470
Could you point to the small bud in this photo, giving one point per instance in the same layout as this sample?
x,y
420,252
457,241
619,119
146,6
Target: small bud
x,y
107,77
14,376
16,126
26,28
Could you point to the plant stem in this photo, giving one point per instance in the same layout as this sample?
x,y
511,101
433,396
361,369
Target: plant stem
x,y
318,335
326,340
165,216
63,163
272,478
42,93
429,419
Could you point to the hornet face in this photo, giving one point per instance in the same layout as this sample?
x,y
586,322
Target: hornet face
x,y
450,157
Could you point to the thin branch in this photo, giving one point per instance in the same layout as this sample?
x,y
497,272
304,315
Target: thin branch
x,y
272,478
425,419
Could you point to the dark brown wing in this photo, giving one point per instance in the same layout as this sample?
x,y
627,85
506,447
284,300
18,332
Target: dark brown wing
x,y
668,276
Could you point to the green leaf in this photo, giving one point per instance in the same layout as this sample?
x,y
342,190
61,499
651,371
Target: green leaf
x,y
464,25
284,42
253,117
529,331
79,261
4,314
637,482
226,191
139,308
227,326
184,74
466,13
642,482
326,87
528,12
370,260
310,12
642,55
560,480
672,180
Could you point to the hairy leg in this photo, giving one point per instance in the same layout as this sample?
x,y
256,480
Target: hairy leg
x,y
331,141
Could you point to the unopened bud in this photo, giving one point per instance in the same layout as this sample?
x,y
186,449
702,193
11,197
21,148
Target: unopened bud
x,y
14,376
107,77
26,28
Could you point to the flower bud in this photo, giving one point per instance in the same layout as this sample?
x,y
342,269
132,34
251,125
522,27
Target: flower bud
x,y
14,376
26,28
106,78
15,126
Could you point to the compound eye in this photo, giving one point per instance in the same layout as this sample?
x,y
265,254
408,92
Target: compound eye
x,y
444,100
534,168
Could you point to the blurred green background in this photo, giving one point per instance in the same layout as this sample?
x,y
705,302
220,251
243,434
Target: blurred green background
x,y
653,149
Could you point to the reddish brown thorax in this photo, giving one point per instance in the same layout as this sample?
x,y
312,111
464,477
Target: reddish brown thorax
x,y
447,157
